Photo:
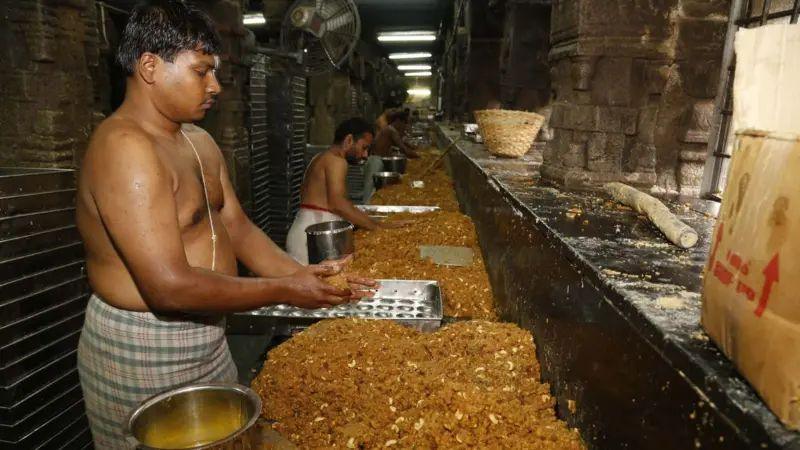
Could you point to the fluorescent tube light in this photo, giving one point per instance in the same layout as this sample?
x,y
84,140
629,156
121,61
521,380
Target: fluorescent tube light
x,y
413,67
419,55
408,38
418,74
254,19
419,92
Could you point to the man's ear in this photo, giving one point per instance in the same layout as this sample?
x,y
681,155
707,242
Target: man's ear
x,y
348,141
146,67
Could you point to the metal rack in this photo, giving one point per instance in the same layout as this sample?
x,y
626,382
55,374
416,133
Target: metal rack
x,y
259,150
43,296
278,135
286,135
748,14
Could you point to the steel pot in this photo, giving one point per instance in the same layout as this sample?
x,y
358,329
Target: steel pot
x,y
201,416
329,240
395,163
382,179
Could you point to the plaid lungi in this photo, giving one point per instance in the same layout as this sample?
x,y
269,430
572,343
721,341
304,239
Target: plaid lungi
x,y
125,357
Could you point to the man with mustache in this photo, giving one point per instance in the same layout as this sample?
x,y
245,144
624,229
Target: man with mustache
x,y
163,229
324,195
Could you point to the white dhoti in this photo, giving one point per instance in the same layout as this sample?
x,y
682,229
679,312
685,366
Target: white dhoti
x,y
296,242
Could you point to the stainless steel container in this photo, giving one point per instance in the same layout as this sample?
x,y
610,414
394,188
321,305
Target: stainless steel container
x,y
218,415
329,240
382,179
395,163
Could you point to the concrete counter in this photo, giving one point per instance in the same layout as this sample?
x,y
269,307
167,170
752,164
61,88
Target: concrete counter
x,y
614,307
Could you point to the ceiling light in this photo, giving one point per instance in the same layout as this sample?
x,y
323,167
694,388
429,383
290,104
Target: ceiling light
x,y
410,38
419,55
407,36
418,74
406,67
254,19
407,33
419,92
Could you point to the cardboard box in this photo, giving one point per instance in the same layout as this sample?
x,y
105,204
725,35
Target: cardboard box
x,y
751,300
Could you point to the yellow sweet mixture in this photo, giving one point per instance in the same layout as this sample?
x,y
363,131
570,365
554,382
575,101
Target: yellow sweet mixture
x,y
372,384
393,253
369,384
438,189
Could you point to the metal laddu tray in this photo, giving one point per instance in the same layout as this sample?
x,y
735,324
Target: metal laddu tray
x,y
390,209
383,211
417,304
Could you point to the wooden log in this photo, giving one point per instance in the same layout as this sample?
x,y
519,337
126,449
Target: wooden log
x,y
676,231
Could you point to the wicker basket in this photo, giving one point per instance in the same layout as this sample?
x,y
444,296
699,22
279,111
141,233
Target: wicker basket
x,y
508,133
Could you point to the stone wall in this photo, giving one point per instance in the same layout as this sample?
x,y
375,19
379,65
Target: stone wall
x,y
50,54
633,89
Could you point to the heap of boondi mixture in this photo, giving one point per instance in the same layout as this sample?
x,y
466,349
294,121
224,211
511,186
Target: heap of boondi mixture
x,y
394,254
438,190
374,384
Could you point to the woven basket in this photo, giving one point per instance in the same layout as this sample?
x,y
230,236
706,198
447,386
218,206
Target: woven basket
x,y
508,133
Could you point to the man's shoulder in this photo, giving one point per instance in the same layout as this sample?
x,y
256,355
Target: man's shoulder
x,y
120,144
329,159
115,132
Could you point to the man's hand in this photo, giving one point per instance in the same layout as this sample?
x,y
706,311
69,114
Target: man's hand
x,y
308,291
362,287
331,267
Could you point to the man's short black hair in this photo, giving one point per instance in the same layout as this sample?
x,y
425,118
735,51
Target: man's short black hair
x,y
356,126
166,28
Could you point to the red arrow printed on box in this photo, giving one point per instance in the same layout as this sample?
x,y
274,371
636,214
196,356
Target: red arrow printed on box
x,y
771,276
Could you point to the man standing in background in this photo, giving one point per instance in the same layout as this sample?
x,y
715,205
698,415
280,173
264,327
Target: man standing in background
x,y
324,193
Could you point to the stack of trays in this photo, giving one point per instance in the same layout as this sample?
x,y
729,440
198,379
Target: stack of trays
x,y
355,182
259,154
43,295
417,304
286,143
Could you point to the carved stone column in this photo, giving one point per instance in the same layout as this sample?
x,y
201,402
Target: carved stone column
x,y
632,82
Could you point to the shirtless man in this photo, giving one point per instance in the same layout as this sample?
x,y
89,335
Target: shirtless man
x,y
324,191
163,230
392,136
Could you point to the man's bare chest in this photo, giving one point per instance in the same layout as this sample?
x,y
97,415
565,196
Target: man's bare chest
x,y
190,187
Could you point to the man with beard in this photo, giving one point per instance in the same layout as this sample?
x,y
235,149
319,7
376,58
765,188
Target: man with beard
x,y
324,192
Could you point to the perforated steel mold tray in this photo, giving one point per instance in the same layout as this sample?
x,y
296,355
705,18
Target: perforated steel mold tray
x,y
417,304
392,209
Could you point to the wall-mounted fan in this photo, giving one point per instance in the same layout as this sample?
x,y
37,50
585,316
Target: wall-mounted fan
x,y
325,32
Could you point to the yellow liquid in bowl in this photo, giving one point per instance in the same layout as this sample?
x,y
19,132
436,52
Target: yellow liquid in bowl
x,y
186,435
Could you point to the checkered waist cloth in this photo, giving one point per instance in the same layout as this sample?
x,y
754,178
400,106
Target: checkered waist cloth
x,y
124,357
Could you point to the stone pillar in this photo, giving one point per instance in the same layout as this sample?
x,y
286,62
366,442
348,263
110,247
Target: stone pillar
x,y
633,83
524,67
49,53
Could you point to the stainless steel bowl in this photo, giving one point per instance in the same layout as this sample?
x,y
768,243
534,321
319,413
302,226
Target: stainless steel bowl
x,y
195,417
395,163
382,179
329,240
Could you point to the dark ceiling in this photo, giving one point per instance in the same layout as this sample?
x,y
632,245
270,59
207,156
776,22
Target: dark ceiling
x,y
380,15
